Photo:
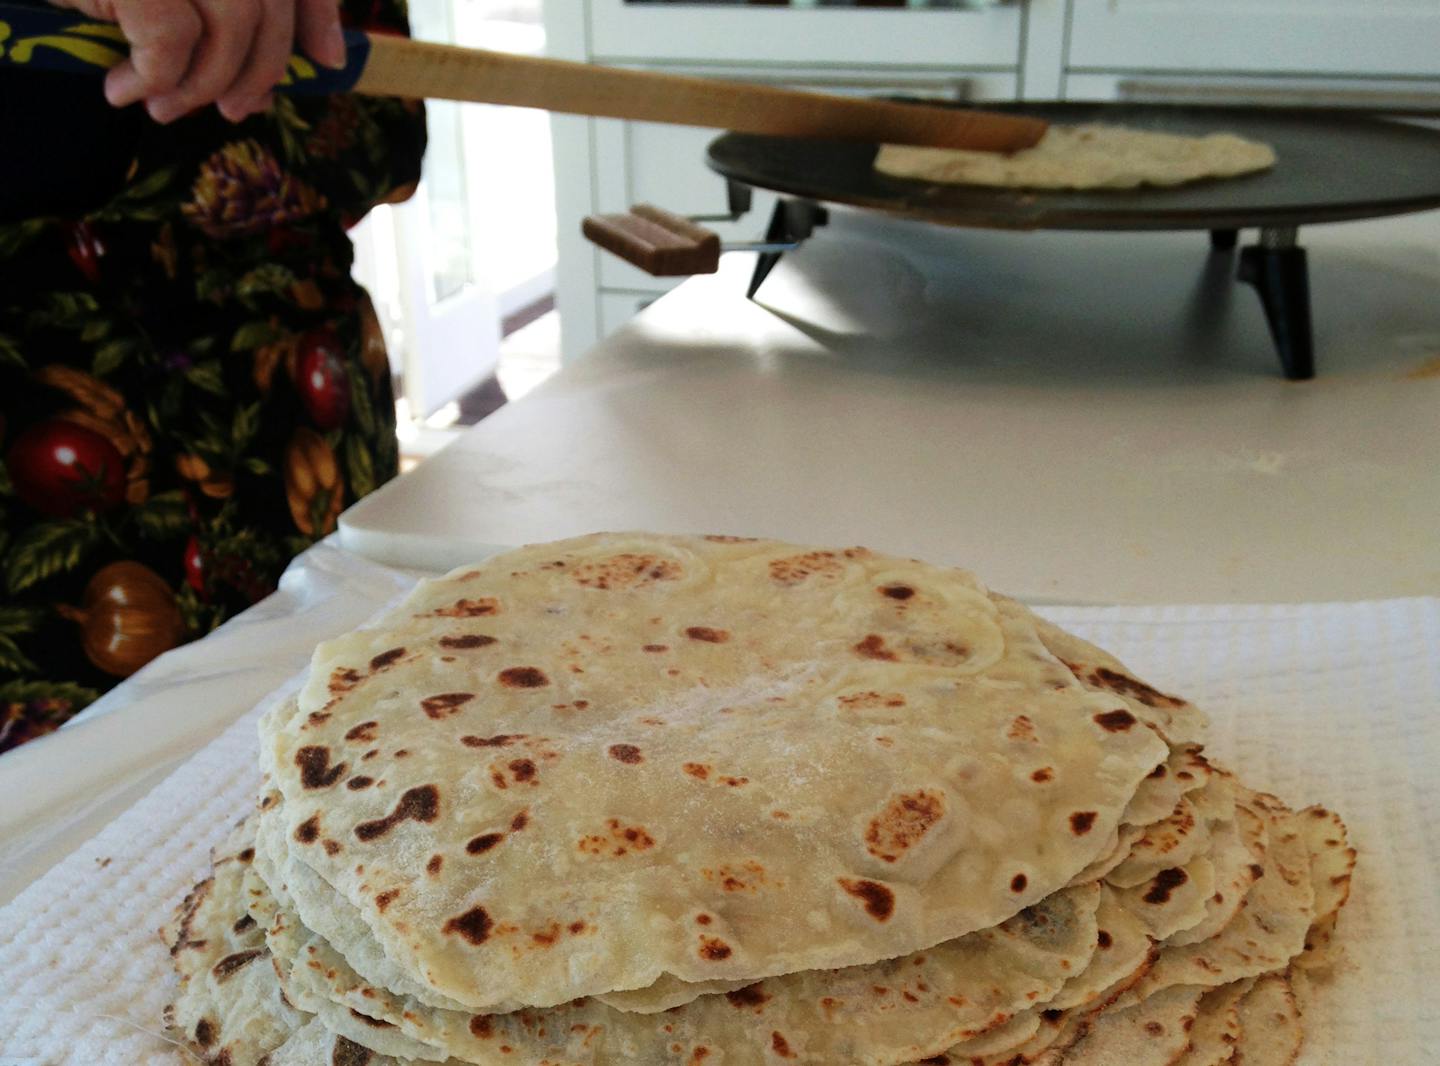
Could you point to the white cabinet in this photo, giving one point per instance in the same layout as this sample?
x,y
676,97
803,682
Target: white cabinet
x,y
1356,38
618,307
796,36
1381,54
1377,53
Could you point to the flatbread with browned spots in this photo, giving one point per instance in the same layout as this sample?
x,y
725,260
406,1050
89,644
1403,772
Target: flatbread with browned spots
x,y
1267,932
1164,845
1087,156
1270,1025
1174,899
1123,953
887,1012
1056,1031
1178,720
1332,859
1217,1027
637,795
1004,1041
1186,770
766,757
1153,1033
314,1045
1237,851
227,1005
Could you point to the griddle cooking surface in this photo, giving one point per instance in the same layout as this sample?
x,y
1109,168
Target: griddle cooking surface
x,y
1330,168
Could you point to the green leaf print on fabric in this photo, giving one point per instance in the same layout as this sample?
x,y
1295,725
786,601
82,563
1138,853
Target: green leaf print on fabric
x,y
47,549
12,659
162,516
10,354
15,620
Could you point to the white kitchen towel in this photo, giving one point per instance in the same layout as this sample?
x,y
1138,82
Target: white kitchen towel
x,y
1330,703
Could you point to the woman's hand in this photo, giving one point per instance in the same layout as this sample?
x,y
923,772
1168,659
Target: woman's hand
x,y
186,54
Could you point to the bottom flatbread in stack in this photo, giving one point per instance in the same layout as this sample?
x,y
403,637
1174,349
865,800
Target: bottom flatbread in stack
x,y
666,800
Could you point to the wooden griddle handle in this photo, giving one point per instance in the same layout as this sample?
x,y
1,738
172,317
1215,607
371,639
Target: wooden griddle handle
x,y
662,244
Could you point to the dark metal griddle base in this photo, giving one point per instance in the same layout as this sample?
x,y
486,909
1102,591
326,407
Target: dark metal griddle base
x,y
1331,168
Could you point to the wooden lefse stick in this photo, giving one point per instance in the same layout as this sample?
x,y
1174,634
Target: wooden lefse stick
x,y
418,69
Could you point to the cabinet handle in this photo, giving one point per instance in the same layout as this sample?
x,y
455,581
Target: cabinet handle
x,y
1292,94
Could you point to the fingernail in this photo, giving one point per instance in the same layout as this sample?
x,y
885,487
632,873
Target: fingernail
x,y
333,47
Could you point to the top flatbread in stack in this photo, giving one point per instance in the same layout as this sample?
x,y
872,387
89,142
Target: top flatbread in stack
x,y
1090,156
707,800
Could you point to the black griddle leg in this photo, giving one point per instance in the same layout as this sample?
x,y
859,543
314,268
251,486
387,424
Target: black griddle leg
x,y
1277,268
1223,240
790,223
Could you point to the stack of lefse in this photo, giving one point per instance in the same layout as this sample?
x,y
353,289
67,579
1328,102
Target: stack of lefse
x,y
645,799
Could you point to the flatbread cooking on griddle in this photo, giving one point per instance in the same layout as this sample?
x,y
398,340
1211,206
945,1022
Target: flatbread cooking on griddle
x,y
1088,156
709,800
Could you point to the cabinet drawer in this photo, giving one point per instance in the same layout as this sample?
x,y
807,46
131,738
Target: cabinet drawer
x,y
738,33
1352,37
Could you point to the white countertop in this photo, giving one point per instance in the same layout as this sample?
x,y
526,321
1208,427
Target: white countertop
x,y
1076,417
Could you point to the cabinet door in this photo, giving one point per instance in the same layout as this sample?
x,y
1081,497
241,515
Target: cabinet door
x,y
641,162
932,32
1372,38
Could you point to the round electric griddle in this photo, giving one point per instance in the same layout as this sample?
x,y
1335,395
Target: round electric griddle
x,y
1331,167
